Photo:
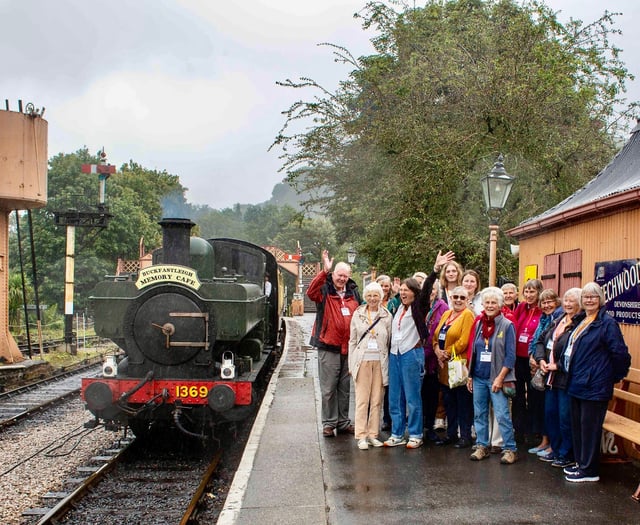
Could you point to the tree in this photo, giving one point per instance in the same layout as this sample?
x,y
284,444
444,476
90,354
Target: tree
x,y
15,301
137,199
396,153
264,222
221,223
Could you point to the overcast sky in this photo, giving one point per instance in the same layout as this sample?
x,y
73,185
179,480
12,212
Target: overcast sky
x,y
188,86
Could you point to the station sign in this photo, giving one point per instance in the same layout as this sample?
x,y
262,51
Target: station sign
x,y
620,281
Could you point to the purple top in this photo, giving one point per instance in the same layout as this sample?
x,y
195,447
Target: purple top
x,y
433,318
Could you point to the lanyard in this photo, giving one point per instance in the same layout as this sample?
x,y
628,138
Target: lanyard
x,y
576,333
452,317
402,315
526,324
371,325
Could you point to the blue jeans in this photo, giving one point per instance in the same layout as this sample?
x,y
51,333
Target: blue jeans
x,y
482,395
557,404
405,384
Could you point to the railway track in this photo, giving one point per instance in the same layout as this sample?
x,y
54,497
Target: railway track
x,y
165,478
129,484
52,344
20,402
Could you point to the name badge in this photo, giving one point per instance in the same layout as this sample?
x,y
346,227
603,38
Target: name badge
x,y
524,338
345,311
442,336
397,337
372,344
550,344
485,357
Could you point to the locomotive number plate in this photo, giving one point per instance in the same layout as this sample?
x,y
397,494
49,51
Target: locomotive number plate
x,y
190,391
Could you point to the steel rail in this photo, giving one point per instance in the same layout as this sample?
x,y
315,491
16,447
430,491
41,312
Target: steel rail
x,y
69,501
32,387
197,496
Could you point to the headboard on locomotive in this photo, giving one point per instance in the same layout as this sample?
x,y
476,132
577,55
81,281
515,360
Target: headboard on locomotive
x,y
199,299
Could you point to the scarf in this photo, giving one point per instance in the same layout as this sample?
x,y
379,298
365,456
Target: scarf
x,y
488,325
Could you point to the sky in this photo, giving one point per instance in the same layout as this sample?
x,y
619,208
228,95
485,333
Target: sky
x,y
189,86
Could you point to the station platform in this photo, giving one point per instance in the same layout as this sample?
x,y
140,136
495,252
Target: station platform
x,y
291,474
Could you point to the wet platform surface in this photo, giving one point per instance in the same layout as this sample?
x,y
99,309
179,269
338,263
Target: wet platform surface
x,y
291,474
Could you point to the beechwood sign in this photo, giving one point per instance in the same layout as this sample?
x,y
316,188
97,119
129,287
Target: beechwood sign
x,y
620,281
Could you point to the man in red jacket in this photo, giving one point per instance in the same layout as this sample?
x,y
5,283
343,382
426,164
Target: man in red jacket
x,y
336,297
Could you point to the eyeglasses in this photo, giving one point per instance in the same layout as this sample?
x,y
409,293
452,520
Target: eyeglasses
x,y
458,297
590,297
548,302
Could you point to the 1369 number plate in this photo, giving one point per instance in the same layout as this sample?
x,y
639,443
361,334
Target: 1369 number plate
x,y
191,391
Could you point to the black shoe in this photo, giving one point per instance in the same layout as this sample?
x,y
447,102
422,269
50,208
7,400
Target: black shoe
x,y
349,429
444,441
462,443
385,427
432,436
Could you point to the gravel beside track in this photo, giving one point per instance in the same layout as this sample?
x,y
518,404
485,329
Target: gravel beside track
x,y
48,469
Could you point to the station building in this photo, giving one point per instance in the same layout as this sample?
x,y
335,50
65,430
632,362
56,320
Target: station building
x,y
593,235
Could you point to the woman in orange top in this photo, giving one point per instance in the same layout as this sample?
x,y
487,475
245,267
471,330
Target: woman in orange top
x,y
451,337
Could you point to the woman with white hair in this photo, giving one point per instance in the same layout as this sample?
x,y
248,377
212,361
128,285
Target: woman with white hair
x,y
549,348
369,363
492,359
596,357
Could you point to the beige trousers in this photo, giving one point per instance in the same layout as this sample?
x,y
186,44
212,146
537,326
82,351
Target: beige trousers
x,y
369,394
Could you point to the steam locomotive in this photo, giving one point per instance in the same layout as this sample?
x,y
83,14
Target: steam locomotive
x,y
197,327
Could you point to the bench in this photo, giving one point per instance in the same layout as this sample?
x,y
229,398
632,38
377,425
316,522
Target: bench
x,y
617,423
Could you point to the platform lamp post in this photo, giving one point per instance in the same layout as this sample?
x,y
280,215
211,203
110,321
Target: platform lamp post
x,y
351,255
496,186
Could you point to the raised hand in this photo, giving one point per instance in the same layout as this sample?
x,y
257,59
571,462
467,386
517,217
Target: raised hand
x,y
328,263
441,260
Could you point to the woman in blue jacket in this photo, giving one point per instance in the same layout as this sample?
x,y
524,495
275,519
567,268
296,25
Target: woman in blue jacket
x,y
595,358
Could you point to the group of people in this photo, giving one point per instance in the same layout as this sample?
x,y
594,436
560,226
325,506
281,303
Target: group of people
x,y
541,369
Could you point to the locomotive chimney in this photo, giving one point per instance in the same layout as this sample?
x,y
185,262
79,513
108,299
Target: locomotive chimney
x,y
175,240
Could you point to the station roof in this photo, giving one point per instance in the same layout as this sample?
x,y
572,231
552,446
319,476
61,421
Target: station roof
x,y
616,186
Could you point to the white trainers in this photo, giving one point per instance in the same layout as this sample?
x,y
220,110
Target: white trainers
x,y
439,424
363,444
375,442
479,453
395,441
414,443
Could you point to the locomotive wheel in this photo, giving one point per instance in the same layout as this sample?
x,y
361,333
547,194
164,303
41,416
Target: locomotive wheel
x,y
163,322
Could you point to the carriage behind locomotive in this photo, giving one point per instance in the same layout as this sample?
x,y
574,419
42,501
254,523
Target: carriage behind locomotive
x,y
196,329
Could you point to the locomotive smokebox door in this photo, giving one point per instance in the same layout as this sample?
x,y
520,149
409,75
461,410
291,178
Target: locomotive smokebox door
x,y
168,327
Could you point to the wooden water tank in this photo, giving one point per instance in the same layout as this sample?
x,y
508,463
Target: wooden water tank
x,y
23,161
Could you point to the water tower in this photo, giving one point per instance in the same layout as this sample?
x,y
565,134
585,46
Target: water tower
x,y
23,186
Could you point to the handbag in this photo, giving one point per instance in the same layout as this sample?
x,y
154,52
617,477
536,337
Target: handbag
x,y
458,371
538,380
509,388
